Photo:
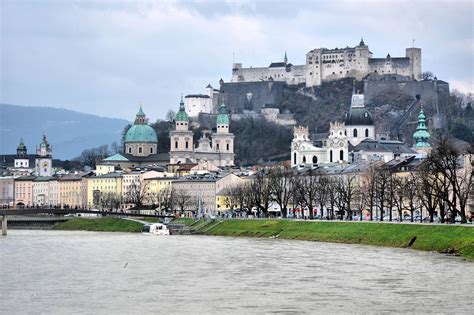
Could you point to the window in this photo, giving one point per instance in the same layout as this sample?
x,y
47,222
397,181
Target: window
x,y
294,158
151,150
366,132
217,146
315,159
227,147
140,150
176,144
341,155
187,144
330,156
129,150
304,159
354,133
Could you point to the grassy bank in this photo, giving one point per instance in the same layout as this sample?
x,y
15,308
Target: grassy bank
x,y
100,224
445,239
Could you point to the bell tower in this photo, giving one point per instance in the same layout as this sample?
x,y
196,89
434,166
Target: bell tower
x,y
222,139
44,159
181,146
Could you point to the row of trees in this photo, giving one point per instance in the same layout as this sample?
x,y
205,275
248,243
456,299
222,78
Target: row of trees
x,y
440,185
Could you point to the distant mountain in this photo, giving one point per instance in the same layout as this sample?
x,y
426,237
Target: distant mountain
x,y
68,131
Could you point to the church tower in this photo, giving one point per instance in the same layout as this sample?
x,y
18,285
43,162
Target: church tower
x,y
44,159
21,159
181,146
222,139
421,135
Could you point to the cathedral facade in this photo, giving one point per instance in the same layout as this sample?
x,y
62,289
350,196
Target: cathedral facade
x,y
357,126
214,150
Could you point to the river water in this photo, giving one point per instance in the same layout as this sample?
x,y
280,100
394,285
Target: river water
x,y
55,272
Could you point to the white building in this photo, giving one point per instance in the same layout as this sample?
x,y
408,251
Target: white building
x,y
195,104
358,125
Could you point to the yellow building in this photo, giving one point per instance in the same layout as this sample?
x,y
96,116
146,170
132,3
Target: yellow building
x,y
104,191
72,190
157,188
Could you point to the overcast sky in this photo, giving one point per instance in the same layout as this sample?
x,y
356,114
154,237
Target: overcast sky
x,y
106,57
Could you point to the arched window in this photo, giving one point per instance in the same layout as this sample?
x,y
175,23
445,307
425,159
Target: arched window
x,y
227,147
315,159
129,150
330,156
354,133
140,150
187,144
217,146
151,150
366,132
294,158
345,132
176,144
341,155
304,159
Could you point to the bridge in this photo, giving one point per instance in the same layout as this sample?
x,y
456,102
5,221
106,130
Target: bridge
x,y
54,211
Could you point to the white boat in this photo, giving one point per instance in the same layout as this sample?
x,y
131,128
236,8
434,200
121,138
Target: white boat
x,y
155,229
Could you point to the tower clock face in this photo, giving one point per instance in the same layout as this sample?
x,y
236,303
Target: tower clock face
x,y
45,164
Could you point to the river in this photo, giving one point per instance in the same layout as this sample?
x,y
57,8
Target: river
x,y
56,272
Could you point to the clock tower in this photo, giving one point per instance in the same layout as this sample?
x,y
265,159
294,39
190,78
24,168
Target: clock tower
x,y
44,159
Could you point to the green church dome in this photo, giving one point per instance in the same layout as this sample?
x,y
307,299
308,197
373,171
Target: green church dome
x,y
181,115
223,117
141,133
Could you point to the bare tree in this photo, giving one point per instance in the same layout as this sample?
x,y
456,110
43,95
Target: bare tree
x,y
260,192
110,201
307,187
426,189
322,193
281,186
181,199
445,161
138,193
382,190
347,191
369,189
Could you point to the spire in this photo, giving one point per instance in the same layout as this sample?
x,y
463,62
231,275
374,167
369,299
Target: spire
x,y
362,42
421,134
223,117
181,115
286,58
140,118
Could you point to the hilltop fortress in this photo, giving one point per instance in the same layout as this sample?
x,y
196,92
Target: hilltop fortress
x,y
324,65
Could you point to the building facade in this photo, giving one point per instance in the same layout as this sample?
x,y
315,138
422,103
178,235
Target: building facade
x,y
357,126
217,151
44,159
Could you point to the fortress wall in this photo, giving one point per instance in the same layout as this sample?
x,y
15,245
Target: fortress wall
x,y
429,91
263,92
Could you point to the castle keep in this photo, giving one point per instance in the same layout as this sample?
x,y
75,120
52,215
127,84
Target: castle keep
x,y
331,64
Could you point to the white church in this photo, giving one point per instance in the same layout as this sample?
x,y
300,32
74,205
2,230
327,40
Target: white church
x,y
358,125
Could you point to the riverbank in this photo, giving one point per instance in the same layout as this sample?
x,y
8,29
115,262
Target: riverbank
x,y
444,239
100,225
